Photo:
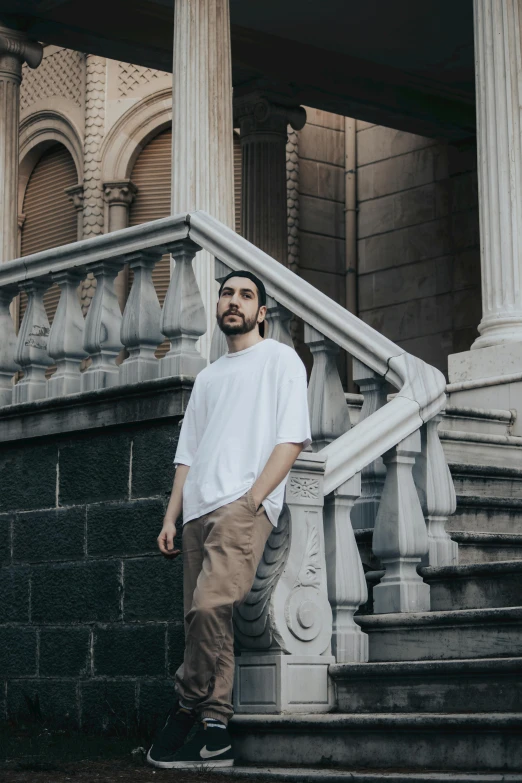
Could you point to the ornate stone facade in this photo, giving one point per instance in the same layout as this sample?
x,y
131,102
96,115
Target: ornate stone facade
x,y
132,77
292,193
60,74
93,210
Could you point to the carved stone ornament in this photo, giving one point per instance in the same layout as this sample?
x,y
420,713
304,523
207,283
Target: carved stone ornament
x,y
303,487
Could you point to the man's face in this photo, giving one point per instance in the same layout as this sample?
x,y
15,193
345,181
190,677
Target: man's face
x,y
238,307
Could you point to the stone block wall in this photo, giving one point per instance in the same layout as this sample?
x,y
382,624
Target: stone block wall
x,y
418,241
321,202
321,210
91,618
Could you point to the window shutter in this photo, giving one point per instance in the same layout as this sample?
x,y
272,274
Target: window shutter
x,y
50,217
152,176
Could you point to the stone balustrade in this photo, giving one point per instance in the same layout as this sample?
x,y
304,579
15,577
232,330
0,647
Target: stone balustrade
x,y
387,472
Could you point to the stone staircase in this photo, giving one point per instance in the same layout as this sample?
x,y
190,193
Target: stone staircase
x,y
441,696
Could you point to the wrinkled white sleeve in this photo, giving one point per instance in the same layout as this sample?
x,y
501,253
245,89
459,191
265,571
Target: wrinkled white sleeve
x,y
188,437
293,417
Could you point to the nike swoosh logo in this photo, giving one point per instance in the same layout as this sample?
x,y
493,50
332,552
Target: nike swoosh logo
x,y
209,754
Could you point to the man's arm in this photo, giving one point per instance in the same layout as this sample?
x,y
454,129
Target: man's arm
x,y
174,508
278,464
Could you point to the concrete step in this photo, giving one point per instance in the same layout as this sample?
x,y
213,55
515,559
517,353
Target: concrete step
x,y
430,636
492,685
321,775
475,585
403,742
489,498
478,420
478,547
480,449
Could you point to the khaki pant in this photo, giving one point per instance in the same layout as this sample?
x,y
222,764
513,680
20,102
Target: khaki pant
x,y
221,552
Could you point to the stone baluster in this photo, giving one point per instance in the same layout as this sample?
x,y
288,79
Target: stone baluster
x,y
329,416
119,197
284,627
8,365
183,319
218,346
278,322
66,336
400,538
437,495
373,388
140,327
102,328
31,349
347,588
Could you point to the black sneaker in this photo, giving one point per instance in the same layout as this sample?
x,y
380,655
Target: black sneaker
x,y
171,736
209,748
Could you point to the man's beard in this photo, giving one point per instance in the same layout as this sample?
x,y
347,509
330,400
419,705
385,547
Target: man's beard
x,y
241,325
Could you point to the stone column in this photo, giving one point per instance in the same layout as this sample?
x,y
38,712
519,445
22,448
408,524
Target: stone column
x,y
119,196
490,374
263,132
202,140
498,76
15,49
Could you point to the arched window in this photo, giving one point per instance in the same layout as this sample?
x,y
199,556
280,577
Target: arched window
x,y
50,217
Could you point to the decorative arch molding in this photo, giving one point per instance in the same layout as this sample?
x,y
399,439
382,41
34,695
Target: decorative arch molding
x,y
37,133
132,133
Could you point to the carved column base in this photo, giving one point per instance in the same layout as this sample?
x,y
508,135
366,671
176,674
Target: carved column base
x,y
101,377
401,589
182,359
32,386
443,551
66,380
275,683
349,644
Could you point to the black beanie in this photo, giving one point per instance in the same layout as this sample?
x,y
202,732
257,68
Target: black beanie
x,y
261,292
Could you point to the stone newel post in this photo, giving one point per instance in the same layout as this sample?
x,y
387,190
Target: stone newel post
x,y
264,126
15,49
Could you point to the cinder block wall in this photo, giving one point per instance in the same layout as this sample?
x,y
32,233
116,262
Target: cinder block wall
x,y
90,612
418,241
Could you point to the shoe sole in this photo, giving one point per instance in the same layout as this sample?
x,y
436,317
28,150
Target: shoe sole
x,y
190,764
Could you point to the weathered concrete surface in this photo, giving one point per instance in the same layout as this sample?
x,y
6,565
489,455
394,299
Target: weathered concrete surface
x,y
488,585
411,741
428,636
472,686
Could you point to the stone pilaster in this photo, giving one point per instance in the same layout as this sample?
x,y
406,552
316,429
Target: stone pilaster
x,y
263,132
202,153
93,206
15,49
498,75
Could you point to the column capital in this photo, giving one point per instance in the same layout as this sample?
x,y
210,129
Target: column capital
x,y
15,50
257,112
75,194
119,193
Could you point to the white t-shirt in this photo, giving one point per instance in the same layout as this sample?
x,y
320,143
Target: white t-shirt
x,y
241,406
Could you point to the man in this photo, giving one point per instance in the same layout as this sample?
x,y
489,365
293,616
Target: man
x,y
245,424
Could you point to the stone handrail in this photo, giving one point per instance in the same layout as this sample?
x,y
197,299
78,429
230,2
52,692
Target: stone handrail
x,y
421,387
